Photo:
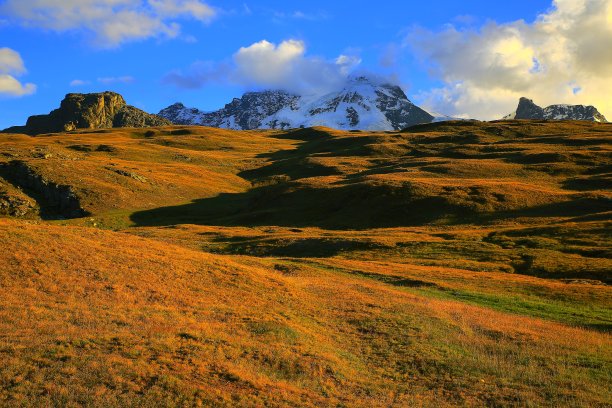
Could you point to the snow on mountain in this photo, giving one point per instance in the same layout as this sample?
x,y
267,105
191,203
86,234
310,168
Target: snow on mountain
x,y
363,103
179,114
527,109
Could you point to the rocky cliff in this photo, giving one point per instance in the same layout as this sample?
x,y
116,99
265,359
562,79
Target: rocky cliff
x,y
89,111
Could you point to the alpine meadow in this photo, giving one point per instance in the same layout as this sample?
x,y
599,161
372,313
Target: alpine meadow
x,y
391,205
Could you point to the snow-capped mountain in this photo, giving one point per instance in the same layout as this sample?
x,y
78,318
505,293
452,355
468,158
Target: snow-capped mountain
x,y
363,104
527,109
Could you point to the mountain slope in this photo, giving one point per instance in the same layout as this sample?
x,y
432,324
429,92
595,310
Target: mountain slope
x,y
527,109
89,111
363,104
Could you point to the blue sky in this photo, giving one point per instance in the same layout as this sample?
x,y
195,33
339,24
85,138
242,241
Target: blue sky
x,y
189,50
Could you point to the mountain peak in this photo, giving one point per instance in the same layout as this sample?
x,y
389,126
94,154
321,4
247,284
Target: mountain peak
x,y
363,103
527,109
372,80
361,80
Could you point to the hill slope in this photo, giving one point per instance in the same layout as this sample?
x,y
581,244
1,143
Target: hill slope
x,y
451,264
144,323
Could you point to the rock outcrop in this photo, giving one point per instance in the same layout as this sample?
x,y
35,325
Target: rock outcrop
x,y
89,111
15,203
55,200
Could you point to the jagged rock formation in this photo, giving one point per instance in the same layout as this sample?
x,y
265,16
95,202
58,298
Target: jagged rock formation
x,y
363,104
89,111
527,109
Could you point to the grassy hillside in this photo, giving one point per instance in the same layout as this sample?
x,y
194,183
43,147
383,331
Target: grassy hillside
x,y
452,264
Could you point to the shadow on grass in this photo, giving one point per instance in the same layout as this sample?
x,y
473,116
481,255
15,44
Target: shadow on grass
x,y
355,206
276,198
318,247
352,206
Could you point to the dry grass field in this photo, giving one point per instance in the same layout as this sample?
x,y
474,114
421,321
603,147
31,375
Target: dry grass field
x,y
451,264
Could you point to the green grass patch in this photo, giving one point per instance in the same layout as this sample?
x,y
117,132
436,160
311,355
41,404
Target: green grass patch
x,y
592,317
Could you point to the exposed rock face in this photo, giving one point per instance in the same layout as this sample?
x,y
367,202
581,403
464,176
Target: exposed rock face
x,y
15,205
90,111
398,109
55,199
362,103
527,109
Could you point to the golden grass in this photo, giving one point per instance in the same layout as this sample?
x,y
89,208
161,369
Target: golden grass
x,y
193,326
453,264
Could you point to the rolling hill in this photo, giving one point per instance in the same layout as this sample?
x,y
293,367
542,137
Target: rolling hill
x,y
456,263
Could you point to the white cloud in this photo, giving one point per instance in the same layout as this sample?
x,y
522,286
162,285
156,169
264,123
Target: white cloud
x,y
300,15
10,86
11,66
116,80
79,82
11,62
175,8
110,22
485,71
347,63
104,80
283,16
266,65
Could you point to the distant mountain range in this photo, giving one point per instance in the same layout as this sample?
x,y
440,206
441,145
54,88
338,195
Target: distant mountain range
x,y
363,103
527,109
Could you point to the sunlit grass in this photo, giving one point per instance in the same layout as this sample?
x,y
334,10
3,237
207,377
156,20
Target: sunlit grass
x,y
453,264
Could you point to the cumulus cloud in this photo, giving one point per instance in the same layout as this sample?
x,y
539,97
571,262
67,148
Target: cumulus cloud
x,y
11,66
11,62
109,22
268,65
562,57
